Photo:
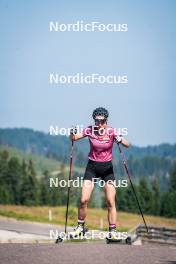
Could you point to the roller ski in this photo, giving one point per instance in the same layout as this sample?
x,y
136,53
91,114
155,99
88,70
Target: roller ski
x,y
78,234
117,237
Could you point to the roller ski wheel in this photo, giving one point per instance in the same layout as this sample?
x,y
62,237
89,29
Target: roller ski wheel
x,y
119,241
128,240
59,240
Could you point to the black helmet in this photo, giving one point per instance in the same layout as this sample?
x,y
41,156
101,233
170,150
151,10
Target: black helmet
x,y
100,111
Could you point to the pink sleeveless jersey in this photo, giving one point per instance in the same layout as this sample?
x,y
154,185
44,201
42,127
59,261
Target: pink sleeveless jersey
x,y
100,145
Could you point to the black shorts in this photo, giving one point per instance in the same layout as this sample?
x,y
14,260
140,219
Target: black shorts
x,y
103,170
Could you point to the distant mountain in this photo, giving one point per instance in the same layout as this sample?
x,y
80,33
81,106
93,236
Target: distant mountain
x,y
163,150
36,142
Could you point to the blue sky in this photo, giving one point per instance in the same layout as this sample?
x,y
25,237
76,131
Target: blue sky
x,y
146,53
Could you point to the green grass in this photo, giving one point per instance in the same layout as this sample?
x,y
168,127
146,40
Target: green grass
x,y
126,221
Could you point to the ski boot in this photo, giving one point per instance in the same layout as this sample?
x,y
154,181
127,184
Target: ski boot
x,y
113,236
79,231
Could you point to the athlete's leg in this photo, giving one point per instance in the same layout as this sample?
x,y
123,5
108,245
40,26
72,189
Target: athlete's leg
x,y
87,189
110,193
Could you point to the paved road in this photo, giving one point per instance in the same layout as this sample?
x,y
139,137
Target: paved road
x,y
69,253
79,253
27,227
12,230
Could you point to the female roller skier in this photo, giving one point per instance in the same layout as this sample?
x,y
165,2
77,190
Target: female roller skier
x,y
101,138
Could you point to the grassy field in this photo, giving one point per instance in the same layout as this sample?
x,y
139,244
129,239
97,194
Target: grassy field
x,y
97,218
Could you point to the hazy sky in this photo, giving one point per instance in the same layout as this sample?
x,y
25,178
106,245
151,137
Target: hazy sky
x,y
146,54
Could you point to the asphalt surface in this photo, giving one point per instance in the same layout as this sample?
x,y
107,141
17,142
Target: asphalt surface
x,y
12,231
72,252
27,227
79,253
15,231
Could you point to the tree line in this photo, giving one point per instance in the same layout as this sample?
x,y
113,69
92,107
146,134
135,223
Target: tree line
x,y
20,185
148,161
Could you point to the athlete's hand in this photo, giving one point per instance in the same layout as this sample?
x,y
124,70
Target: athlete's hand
x,y
118,139
73,132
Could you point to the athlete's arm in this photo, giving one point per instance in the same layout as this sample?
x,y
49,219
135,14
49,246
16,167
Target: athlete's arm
x,y
125,143
76,136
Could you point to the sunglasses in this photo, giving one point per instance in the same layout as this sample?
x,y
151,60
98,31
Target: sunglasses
x,y
101,121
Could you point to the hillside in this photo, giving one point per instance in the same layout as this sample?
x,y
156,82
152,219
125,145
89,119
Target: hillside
x,y
25,175
150,162
36,142
41,163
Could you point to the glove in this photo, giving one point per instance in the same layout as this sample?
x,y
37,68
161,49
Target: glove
x,y
118,139
73,131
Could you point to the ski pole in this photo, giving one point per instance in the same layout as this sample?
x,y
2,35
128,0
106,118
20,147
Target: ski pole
x,y
68,192
127,172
